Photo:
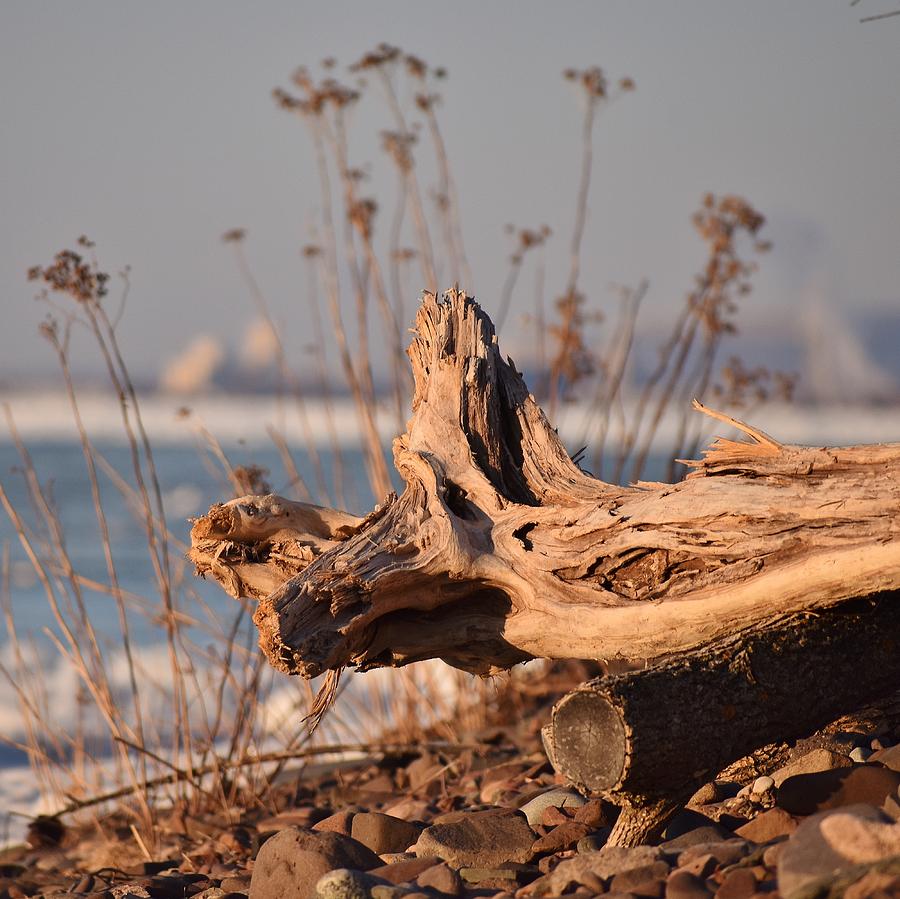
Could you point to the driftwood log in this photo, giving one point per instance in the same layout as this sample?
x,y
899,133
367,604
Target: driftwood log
x,y
501,549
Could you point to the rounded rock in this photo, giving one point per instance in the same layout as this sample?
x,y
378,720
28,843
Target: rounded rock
x,y
534,808
763,785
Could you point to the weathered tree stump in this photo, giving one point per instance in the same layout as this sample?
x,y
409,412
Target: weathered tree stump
x,y
501,549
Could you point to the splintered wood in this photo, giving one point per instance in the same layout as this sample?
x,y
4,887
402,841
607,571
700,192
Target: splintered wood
x,y
500,549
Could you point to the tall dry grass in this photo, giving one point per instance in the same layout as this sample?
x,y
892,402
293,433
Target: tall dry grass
x,y
220,744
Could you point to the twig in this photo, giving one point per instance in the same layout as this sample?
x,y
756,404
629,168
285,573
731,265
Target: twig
x,y
175,776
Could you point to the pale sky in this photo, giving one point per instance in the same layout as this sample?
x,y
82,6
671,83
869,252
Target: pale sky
x,y
150,127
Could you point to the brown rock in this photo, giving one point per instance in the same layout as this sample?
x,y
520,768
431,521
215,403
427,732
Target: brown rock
x,y
699,866
565,836
339,822
643,876
684,885
553,816
811,763
592,813
602,864
478,839
383,833
889,757
725,852
423,775
739,883
806,794
874,885
768,825
411,809
290,863
442,878
814,855
380,783
405,871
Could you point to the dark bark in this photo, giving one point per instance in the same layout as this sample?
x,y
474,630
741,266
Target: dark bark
x,y
646,736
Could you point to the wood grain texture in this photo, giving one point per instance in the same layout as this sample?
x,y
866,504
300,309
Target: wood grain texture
x,y
501,549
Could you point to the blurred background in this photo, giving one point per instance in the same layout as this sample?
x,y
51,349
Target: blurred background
x,y
152,129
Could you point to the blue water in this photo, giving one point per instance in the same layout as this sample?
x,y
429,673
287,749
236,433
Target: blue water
x,y
190,484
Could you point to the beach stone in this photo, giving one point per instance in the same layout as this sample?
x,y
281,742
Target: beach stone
x,y
635,878
405,871
534,808
889,757
442,878
806,794
554,816
290,864
874,884
383,833
860,840
594,841
411,809
339,822
811,763
725,852
815,855
592,813
684,885
482,839
699,836
763,785
344,883
860,754
563,836
768,825
740,883
510,876
423,775
688,821
700,866
603,864
387,891
236,884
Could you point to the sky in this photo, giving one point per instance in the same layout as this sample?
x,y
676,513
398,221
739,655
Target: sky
x,y
151,128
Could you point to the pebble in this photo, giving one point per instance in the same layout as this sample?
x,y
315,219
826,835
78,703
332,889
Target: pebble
x,y
628,881
811,763
684,885
339,822
534,808
768,825
812,856
699,836
344,883
603,864
594,841
889,757
739,883
763,784
806,794
479,839
290,864
405,871
564,836
725,852
384,833
860,754
441,878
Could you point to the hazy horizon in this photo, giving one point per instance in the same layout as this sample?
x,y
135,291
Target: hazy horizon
x,y
152,130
